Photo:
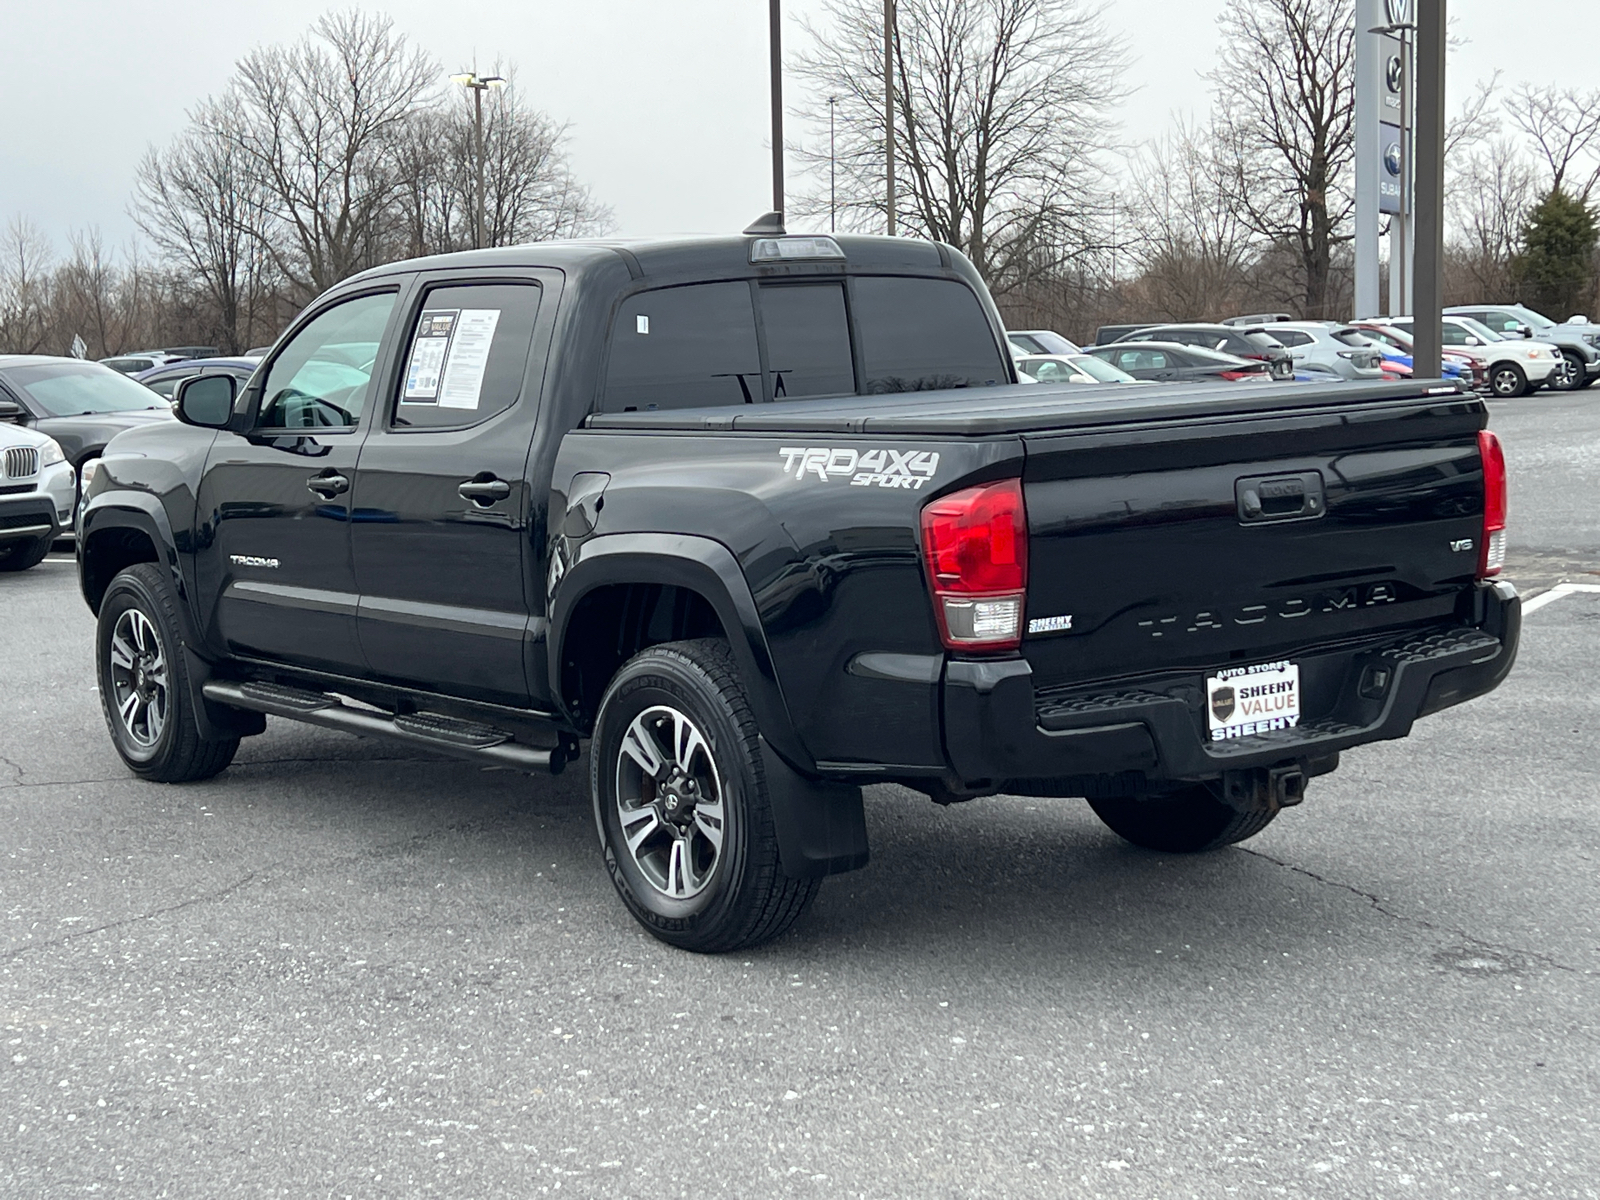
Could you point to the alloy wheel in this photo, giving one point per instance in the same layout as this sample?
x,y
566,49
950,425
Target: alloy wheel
x,y
670,802
139,678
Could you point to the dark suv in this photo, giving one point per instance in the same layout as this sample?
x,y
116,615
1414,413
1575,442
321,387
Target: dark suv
x,y
1253,343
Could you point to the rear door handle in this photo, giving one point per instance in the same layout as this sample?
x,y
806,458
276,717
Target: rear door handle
x,y
328,484
484,492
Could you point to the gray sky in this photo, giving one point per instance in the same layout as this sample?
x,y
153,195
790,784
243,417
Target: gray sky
x,y
667,98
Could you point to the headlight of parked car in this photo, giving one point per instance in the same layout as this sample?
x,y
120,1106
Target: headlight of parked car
x,y
50,454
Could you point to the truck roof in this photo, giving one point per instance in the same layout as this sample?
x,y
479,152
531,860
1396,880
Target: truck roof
x,y
691,255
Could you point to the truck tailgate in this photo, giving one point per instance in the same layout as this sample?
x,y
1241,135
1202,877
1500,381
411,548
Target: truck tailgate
x,y
1230,540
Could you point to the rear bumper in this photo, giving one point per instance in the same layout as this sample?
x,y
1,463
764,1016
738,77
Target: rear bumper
x,y
1000,734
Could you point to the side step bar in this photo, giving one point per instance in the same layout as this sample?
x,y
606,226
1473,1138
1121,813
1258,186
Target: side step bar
x,y
447,735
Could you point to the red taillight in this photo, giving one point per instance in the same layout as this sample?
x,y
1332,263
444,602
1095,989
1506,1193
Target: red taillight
x,y
1492,547
976,546
1253,373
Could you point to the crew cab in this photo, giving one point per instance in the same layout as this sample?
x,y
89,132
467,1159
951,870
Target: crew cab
x,y
764,519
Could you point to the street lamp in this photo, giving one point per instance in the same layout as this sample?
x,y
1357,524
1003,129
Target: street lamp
x,y
479,85
833,102
889,30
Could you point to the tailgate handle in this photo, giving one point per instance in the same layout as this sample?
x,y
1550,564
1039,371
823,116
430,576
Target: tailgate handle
x,y
1265,498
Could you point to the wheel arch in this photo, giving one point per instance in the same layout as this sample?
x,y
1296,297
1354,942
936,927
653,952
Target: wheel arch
x,y
636,590
117,532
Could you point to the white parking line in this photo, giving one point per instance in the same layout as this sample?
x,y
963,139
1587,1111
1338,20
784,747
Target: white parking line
x,y
1555,593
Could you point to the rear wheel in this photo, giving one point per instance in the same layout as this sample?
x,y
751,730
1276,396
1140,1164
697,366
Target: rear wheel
x,y
21,554
1507,381
1186,821
681,802
144,682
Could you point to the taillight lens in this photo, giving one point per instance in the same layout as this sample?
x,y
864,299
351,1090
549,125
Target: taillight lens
x,y
1252,373
975,543
1492,547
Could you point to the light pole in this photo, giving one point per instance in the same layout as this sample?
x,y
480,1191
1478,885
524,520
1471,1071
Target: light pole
x,y
888,107
833,102
479,85
775,18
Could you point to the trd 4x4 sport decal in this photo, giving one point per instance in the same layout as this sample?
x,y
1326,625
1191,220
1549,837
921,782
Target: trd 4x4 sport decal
x,y
871,468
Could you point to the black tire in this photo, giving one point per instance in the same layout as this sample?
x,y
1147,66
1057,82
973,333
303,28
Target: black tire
x,y
20,555
1569,377
144,682
725,895
1507,381
1188,821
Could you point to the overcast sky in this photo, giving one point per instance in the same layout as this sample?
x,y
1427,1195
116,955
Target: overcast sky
x,y
666,98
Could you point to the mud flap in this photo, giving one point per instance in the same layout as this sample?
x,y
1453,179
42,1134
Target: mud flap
x,y
821,827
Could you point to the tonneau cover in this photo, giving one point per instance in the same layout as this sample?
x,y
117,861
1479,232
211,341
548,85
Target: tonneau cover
x,y
1018,408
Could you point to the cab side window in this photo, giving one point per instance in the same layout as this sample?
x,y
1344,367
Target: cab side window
x,y
466,355
322,377
684,347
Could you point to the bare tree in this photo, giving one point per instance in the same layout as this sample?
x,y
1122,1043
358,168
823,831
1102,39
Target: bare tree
x,y
1193,244
197,201
530,192
1565,125
1003,108
322,122
26,318
1285,100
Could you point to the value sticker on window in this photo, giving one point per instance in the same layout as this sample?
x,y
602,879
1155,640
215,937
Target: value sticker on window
x,y
428,354
468,358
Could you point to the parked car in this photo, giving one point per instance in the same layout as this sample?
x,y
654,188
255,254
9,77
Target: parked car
x,y
1257,344
82,405
1335,349
1516,366
1040,341
1173,361
133,364
1071,368
164,381
37,492
1578,341
1107,334
497,503
1457,362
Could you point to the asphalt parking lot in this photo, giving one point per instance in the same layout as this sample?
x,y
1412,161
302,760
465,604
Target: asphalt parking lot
x,y
339,969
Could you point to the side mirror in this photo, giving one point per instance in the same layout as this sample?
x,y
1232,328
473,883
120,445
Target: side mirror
x,y
10,410
206,400
1525,330
1473,341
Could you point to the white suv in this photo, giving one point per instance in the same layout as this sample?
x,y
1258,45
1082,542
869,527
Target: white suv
x,y
37,490
1516,365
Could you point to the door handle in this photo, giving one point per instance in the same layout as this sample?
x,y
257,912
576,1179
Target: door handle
x,y
484,492
328,484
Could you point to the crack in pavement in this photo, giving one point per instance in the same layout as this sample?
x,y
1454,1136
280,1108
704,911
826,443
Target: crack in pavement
x,y
1377,903
263,874
20,772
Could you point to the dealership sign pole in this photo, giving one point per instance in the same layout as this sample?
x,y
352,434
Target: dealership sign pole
x,y
1383,150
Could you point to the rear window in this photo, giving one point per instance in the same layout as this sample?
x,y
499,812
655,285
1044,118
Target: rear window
x,y
808,340
684,347
922,334
1351,337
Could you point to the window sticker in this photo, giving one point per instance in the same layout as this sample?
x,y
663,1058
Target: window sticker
x,y
428,353
467,358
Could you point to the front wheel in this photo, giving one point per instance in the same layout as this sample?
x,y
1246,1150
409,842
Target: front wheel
x,y
144,682
1507,381
681,802
20,554
1186,821
1569,375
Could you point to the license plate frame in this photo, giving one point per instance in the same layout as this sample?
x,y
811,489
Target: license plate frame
x,y
1254,699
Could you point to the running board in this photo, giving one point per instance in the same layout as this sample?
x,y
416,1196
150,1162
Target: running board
x,y
448,735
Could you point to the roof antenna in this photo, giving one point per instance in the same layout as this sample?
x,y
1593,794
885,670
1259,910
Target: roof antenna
x,y
766,225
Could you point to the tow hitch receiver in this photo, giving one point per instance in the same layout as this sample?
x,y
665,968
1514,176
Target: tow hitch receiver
x,y
1284,787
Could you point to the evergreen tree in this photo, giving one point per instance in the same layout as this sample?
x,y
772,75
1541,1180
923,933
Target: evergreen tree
x,y
1556,269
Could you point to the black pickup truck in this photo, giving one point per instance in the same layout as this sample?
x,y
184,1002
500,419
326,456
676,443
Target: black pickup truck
x,y
765,519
